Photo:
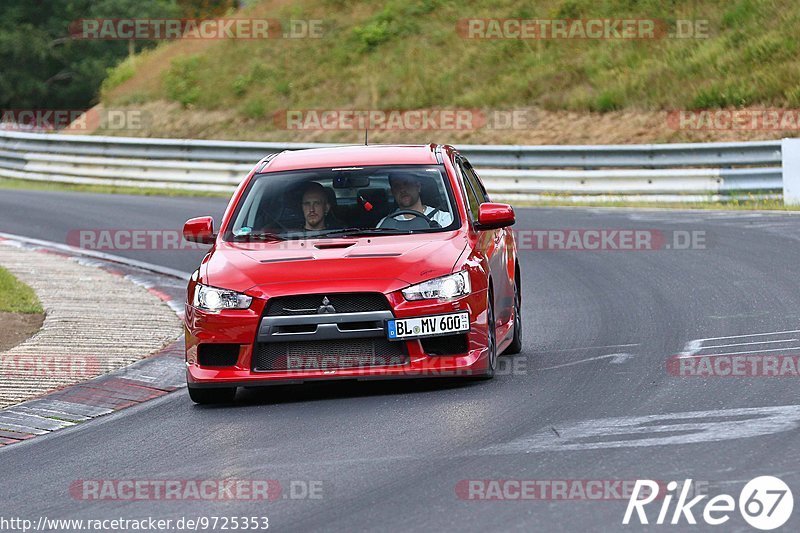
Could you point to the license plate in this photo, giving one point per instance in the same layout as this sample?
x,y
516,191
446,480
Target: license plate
x,y
427,326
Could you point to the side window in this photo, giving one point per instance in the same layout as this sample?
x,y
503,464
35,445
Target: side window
x,y
472,198
475,181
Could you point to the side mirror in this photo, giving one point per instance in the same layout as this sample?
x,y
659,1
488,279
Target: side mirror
x,y
200,229
492,215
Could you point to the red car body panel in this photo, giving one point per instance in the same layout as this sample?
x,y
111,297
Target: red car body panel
x,y
384,264
355,156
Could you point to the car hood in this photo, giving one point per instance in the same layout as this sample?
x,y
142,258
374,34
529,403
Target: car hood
x,y
384,263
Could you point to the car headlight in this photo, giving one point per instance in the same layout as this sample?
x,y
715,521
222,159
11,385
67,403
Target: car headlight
x,y
212,299
444,288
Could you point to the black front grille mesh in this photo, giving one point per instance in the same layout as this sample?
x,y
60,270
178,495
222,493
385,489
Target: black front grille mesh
x,y
324,354
217,354
307,304
445,345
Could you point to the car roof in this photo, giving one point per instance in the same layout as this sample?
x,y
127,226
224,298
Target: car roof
x,y
359,155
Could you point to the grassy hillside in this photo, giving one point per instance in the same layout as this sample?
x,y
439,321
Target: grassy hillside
x,y
407,54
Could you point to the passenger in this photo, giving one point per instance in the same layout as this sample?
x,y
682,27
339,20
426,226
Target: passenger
x,y
315,206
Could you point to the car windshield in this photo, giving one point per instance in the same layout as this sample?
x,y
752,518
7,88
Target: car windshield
x,y
336,202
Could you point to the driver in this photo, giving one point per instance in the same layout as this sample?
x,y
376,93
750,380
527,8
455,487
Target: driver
x,y
406,191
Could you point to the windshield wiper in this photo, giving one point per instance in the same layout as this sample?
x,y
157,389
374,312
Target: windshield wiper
x,y
351,232
258,237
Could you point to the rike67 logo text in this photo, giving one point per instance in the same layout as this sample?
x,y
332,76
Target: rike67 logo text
x,y
765,503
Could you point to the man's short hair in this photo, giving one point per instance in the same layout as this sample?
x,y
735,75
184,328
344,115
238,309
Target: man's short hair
x,y
313,186
404,177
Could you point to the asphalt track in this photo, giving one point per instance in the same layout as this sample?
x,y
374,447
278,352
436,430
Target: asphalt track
x,y
599,327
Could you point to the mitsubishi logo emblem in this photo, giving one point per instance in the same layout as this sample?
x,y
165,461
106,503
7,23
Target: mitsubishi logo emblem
x,y
326,307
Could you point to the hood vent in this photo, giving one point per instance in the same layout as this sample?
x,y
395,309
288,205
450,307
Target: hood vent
x,y
333,245
375,254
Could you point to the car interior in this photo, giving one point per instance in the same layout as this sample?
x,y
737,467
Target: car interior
x,y
356,200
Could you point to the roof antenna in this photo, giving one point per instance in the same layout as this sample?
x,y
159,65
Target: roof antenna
x,y
366,136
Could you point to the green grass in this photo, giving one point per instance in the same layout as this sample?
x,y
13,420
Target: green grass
x,y
121,73
408,54
15,296
8,183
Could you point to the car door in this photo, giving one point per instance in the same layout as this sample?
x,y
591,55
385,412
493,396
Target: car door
x,y
492,243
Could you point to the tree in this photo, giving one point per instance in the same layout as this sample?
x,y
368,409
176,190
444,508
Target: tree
x,y
44,68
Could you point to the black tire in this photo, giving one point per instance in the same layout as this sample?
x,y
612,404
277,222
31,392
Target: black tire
x,y
516,341
212,395
492,344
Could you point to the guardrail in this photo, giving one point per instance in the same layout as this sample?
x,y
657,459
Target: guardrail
x,y
668,171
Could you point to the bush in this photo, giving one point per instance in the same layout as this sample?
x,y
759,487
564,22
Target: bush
x,y
255,108
607,101
372,35
116,76
716,96
397,19
180,81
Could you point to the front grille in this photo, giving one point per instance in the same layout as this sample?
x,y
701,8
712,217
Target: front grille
x,y
445,345
217,354
307,304
328,354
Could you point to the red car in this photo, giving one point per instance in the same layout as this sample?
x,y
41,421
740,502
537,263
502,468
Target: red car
x,y
355,262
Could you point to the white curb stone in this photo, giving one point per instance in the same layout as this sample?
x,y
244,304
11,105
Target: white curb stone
x,y
96,322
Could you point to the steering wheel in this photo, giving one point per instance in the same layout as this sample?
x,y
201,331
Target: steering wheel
x,y
432,223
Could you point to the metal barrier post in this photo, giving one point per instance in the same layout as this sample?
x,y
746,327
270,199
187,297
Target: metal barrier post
x,y
791,171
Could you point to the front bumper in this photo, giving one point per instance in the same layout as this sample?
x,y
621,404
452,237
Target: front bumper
x,y
248,329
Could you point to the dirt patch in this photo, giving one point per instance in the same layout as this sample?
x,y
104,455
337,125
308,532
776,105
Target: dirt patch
x,y
18,327
169,119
